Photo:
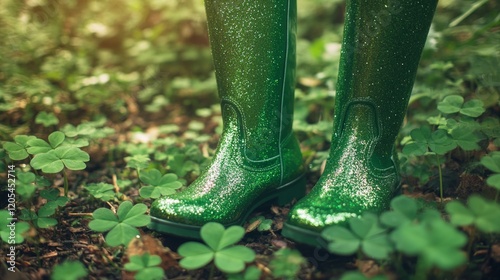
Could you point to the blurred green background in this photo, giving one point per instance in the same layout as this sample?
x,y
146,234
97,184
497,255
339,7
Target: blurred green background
x,y
148,58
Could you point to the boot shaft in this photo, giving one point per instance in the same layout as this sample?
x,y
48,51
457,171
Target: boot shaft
x,y
253,46
383,42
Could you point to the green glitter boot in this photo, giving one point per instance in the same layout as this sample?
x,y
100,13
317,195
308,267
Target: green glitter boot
x,y
383,41
258,159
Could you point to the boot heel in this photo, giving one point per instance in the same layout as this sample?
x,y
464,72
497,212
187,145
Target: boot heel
x,y
295,189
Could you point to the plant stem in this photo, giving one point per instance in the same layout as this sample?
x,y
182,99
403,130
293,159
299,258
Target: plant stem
x,y
66,185
440,178
421,269
212,271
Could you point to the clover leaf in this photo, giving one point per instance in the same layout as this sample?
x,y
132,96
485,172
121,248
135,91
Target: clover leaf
x,y
492,162
83,129
466,139
42,218
102,191
146,266
455,104
356,275
6,226
435,241
137,161
158,184
365,233
54,200
121,226
55,160
38,146
226,256
424,140
481,213
46,119
286,263
404,210
17,149
25,184
69,270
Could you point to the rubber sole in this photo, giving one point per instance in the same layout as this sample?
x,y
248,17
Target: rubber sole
x,y
281,196
303,236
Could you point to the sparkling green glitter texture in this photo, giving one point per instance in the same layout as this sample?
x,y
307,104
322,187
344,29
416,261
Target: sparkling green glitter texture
x,y
383,41
258,158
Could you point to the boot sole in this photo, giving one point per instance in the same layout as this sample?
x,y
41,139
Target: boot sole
x,y
303,236
281,196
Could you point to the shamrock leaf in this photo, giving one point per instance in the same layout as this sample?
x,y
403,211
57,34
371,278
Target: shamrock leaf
x,y
451,104
435,241
102,191
38,146
17,149
492,161
228,257
424,140
466,139
55,160
54,200
404,210
46,119
159,185
5,228
480,213
137,161
83,129
69,270
147,267
25,184
122,226
455,104
365,233
287,263
42,219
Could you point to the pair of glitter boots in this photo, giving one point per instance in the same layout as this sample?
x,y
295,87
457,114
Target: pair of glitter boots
x,y
258,159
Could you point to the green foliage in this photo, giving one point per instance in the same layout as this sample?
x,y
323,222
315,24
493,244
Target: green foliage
x,y
261,223
286,263
5,228
479,212
455,104
102,191
46,119
365,234
137,161
492,162
435,242
251,273
122,225
146,267
355,275
42,218
219,248
425,141
53,198
157,184
69,270
56,160
17,149
25,184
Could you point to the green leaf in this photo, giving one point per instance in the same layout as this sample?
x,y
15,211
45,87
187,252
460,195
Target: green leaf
x,y
121,234
137,161
56,138
492,161
17,149
460,215
101,191
473,108
196,255
287,263
441,142
233,259
55,160
451,104
404,210
494,181
212,234
466,139
38,146
69,270
342,240
121,226
46,119
5,230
